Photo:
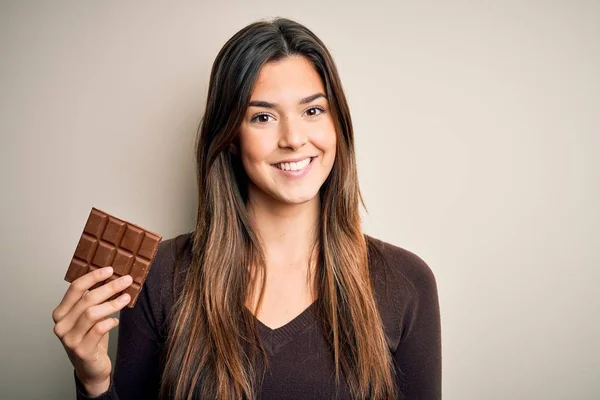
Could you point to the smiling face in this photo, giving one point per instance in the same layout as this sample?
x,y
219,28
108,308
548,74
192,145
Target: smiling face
x,y
287,140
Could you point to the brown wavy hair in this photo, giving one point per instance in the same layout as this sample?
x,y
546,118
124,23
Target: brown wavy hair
x,y
213,347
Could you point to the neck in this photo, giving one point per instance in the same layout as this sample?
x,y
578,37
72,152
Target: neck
x,y
287,231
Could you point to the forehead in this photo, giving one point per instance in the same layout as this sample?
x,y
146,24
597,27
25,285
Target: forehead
x,y
290,78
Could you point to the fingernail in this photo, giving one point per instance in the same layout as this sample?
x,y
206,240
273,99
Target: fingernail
x,y
124,298
107,271
126,279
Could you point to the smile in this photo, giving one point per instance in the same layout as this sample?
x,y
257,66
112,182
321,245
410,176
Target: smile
x,y
295,169
294,166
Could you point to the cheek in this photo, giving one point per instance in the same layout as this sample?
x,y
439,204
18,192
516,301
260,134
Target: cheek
x,y
326,139
255,149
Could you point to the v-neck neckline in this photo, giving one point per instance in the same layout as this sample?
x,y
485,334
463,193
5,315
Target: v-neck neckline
x,y
274,339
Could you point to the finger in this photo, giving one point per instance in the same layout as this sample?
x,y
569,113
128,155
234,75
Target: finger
x,y
88,347
76,290
91,316
91,298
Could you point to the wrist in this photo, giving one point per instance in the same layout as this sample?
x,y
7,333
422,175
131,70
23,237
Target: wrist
x,y
97,389
94,389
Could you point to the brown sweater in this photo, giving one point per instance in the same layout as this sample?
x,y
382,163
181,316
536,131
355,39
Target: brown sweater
x,y
301,365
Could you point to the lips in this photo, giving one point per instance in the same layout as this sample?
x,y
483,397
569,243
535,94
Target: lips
x,y
293,165
295,169
290,160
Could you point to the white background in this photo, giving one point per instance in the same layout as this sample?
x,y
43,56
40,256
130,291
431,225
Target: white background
x,y
478,142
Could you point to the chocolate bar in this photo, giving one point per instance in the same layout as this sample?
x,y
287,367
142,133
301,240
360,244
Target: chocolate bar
x,y
109,241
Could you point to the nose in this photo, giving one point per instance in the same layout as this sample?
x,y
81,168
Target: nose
x,y
292,134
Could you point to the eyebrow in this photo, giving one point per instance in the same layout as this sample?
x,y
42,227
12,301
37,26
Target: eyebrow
x,y
266,104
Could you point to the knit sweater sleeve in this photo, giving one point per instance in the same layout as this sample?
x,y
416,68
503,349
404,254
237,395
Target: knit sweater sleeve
x,y
418,358
136,371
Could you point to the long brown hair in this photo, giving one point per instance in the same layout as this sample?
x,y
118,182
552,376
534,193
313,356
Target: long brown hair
x,y
213,347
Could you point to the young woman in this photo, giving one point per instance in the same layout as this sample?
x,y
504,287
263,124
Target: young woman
x,y
277,293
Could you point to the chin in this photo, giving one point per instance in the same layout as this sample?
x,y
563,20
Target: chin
x,y
284,194
296,198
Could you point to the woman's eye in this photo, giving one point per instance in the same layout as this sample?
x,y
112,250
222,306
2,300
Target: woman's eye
x,y
264,118
314,111
261,118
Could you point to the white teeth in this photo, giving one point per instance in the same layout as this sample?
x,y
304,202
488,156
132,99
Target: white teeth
x,y
294,166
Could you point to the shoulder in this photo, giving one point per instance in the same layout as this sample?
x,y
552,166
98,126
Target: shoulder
x,y
404,284
172,253
168,249
167,255
405,267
